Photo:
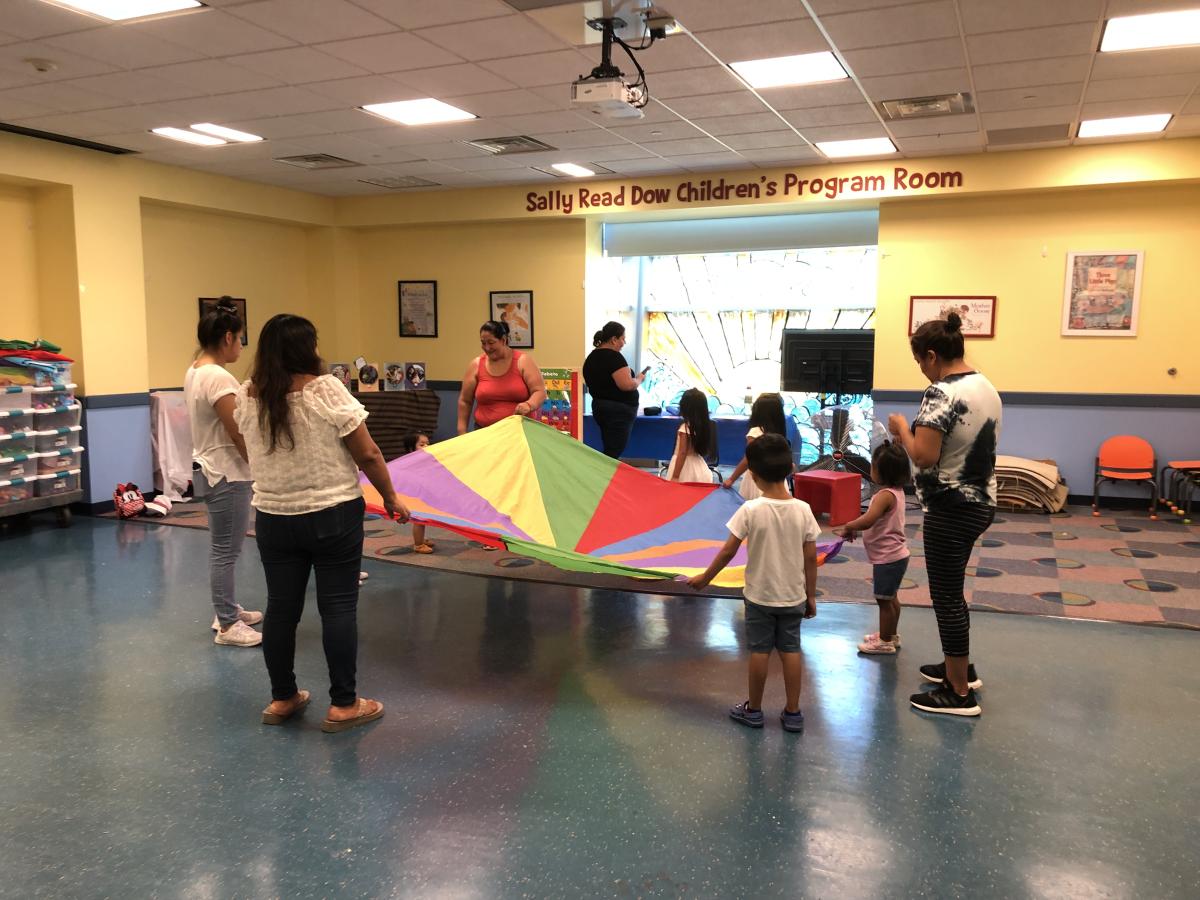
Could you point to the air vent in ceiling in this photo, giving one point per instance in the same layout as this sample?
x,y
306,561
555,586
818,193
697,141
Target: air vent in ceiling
x,y
517,143
63,139
923,107
399,182
316,161
1039,134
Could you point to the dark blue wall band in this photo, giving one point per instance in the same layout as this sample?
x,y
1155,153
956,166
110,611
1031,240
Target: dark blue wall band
x,y
115,401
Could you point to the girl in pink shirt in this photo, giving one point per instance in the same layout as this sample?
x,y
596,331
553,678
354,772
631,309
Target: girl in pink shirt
x,y
882,529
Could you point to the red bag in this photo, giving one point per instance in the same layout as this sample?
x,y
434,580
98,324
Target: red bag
x,y
128,500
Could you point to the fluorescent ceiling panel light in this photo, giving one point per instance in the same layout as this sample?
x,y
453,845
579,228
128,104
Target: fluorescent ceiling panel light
x,y
572,169
808,68
861,147
120,10
188,137
419,112
229,134
1165,29
1090,128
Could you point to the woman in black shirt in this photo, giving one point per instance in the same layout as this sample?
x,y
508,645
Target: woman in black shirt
x,y
614,388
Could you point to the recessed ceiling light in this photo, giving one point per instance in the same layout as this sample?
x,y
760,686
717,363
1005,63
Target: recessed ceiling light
x,y
572,169
1090,128
120,10
861,147
807,68
188,137
1165,29
419,112
229,134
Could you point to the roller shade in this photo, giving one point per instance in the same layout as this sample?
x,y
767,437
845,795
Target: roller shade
x,y
842,229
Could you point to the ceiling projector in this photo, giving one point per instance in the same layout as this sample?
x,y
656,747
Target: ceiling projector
x,y
611,98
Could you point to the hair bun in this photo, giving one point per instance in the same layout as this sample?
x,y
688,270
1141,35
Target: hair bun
x,y
227,304
953,321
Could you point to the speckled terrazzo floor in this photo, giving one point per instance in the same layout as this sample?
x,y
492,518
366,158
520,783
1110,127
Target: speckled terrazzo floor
x,y
1119,567
553,741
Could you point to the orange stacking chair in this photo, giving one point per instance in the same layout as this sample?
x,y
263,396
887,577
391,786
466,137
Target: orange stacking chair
x,y
1126,458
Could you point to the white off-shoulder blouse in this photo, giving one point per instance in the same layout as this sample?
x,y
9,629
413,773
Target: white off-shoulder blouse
x,y
317,471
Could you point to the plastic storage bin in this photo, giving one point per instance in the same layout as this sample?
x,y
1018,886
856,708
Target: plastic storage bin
x,y
14,491
21,442
51,397
57,417
57,438
13,397
19,466
59,460
59,377
57,483
15,420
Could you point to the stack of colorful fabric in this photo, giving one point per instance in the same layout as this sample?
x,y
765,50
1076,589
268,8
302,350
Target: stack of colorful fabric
x,y
26,363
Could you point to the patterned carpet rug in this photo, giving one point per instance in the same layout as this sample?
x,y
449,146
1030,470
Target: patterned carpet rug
x,y
1119,567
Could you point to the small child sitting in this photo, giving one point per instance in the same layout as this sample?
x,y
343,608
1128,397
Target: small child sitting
x,y
882,528
412,442
781,583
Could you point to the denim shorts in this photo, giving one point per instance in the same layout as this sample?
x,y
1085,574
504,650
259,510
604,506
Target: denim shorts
x,y
887,577
773,628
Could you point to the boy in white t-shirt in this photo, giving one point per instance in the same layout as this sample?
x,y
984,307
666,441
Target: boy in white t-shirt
x,y
781,576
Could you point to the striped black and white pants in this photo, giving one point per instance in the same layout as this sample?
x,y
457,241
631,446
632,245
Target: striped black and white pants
x,y
949,536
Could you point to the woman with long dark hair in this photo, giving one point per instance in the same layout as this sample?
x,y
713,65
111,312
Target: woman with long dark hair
x,y
220,475
614,388
952,445
306,439
500,382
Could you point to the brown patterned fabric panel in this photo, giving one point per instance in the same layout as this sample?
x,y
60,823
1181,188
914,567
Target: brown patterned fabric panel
x,y
394,413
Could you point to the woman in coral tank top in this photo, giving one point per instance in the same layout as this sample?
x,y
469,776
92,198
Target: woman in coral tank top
x,y
500,382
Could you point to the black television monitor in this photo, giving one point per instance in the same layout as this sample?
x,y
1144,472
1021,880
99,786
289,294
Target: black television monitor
x,y
836,361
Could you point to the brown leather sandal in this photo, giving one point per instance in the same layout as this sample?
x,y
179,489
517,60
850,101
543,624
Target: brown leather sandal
x,y
301,700
425,547
368,711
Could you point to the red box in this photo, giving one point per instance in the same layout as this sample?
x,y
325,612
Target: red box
x,y
836,493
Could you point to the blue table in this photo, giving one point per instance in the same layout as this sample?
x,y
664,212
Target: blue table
x,y
653,437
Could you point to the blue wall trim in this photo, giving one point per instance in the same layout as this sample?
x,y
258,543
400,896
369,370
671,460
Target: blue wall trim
x,y
1022,398
115,401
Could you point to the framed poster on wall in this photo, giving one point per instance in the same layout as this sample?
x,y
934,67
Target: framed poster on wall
x,y
207,303
1102,293
515,309
978,313
418,308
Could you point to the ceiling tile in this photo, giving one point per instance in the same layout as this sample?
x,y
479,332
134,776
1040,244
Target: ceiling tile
x,y
1192,106
210,76
676,52
584,138
61,96
1032,72
981,16
493,38
603,154
86,125
488,162
935,125
35,19
682,147
1133,88
503,103
1029,97
851,114
755,42
713,15
411,14
124,47
936,144
297,65
309,21
394,52
365,89
781,156
137,87
1032,43
214,33
834,93
830,7
1176,61
140,141
692,82
1024,118
13,56
1184,125
844,132
918,84
530,124
455,81
1141,107
707,162
764,140
560,67
642,167
281,101
661,131
747,124
733,103
892,25
917,57
14,108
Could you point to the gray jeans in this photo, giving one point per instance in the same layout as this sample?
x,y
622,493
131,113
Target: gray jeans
x,y
228,518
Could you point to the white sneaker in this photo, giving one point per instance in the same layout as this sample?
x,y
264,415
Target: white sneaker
x,y
874,636
239,635
363,576
250,617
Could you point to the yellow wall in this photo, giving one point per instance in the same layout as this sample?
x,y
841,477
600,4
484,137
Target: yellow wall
x,y
468,261
1015,247
191,254
18,264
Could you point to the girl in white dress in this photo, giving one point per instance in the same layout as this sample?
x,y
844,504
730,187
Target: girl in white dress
x,y
695,440
766,417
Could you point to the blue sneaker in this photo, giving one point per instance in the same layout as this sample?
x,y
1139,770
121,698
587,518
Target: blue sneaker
x,y
792,721
751,718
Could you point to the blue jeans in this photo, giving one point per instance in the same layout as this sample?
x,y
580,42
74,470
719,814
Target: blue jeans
x,y
329,541
228,505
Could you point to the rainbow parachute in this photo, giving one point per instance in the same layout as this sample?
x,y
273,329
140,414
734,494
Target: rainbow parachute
x,y
525,486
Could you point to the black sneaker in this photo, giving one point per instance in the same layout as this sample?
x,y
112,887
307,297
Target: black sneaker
x,y
936,672
944,700
792,721
751,718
